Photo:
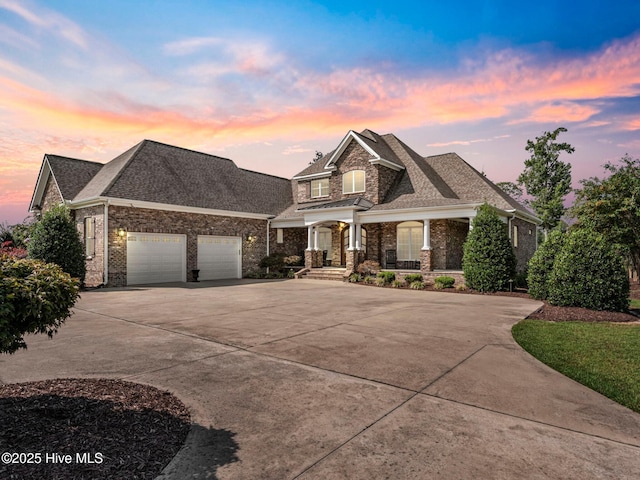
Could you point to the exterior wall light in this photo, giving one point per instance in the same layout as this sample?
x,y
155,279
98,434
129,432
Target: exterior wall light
x,y
251,238
121,232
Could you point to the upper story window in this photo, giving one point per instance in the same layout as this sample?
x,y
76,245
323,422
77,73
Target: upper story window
x,y
353,181
320,188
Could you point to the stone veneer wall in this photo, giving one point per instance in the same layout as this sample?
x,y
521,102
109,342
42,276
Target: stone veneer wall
x,y
51,195
95,263
191,224
526,243
378,178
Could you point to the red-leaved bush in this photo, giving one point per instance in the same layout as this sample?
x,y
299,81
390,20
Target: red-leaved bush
x,y
8,248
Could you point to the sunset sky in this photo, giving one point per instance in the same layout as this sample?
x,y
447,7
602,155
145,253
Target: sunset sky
x,y
267,83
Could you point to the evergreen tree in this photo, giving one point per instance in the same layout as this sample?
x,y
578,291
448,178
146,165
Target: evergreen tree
x,y
55,239
488,262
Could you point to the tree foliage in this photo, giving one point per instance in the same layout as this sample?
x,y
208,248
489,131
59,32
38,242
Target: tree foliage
x,y
611,206
512,189
541,264
589,272
35,297
488,261
55,239
546,178
318,155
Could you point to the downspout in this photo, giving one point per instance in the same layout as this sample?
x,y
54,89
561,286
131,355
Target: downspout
x,y
105,246
513,215
268,229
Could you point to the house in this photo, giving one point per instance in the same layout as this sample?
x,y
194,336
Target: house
x,y
157,212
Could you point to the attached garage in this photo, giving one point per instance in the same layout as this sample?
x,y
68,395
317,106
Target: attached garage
x,y
156,258
219,257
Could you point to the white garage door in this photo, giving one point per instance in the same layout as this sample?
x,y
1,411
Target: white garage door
x,y
156,258
219,257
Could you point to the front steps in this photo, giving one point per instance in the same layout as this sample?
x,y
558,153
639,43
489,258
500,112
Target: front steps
x,y
331,273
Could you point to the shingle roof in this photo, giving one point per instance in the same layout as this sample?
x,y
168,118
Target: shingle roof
x,y
160,173
361,202
440,180
72,174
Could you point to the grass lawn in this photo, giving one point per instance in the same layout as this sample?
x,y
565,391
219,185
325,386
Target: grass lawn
x,y
603,356
635,304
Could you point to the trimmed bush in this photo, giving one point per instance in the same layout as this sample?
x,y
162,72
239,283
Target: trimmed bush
x,y
55,239
444,282
413,277
589,272
488,261
35,297
368,267
387,277
398,284
274,261
369,280
417,285
380,282
541,264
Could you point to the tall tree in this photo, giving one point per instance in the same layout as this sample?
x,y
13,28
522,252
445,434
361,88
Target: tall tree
x,y
512,189
546,178
611,206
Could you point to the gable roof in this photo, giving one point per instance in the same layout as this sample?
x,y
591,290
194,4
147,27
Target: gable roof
x,y
373,143
158,173
435,181
70,175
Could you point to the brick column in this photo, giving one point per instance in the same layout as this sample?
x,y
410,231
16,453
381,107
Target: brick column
x,y
308,258
426,264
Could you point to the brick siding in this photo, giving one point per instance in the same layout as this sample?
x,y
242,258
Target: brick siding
x,y
189,224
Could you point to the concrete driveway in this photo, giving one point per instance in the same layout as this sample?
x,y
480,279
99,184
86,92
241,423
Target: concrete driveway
x,y
319,380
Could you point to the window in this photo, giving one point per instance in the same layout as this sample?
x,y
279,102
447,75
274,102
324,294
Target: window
x,y
89,237
279,235
409,240
353,182
320,188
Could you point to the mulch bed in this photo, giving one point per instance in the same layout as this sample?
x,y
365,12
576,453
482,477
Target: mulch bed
x,y
103,428
552,313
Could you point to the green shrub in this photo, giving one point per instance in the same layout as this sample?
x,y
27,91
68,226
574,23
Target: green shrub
x,y
369,280
444,282
488,261
417,285
355,278
541,264
274,261
292,260
381,282
398,283
589,272
413,277
55,239
387,277
35,297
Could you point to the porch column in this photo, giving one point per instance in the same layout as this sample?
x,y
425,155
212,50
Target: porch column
x,y
309,237
352,234
358,236
471,223
426,235
316,233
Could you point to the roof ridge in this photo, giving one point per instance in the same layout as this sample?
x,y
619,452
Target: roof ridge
x,y
136,149
187,150
72,158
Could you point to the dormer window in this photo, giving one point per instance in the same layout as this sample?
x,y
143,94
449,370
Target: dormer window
x,y
353,181
320,188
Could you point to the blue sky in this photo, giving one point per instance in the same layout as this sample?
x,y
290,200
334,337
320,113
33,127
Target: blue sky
x,y
268,83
